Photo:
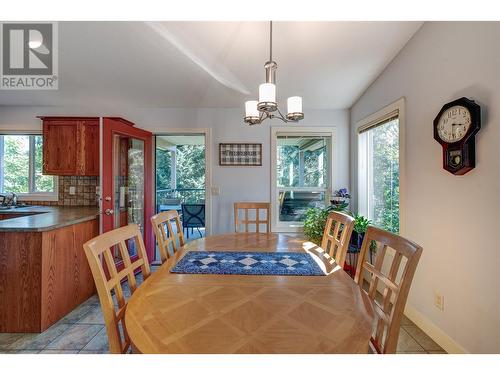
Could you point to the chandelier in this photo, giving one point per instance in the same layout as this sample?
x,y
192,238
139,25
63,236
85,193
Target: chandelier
x,y
257,111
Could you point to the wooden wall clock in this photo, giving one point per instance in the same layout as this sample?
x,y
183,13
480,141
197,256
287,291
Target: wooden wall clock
x,y
455,128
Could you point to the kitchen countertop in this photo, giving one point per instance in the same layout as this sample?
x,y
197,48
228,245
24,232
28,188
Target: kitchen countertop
x,y
45,218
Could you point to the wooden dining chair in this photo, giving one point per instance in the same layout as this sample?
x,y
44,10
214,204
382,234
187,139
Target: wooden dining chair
x,y
336,236
387,283
166,237
108,279
246,207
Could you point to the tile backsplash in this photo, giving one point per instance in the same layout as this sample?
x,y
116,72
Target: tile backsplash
x,y
85,192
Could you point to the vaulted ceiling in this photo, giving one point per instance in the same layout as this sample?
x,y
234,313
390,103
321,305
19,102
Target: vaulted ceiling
x,y
216,64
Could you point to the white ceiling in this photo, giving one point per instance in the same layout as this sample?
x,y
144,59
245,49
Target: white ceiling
x,y
216,64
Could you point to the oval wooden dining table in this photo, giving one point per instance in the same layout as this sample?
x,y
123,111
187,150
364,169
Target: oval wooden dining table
x,y
193,313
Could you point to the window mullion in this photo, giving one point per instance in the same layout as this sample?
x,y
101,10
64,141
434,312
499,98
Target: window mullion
x,y
370,187
2,158
31,168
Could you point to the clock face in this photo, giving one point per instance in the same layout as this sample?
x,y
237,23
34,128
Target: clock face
x,y
454,124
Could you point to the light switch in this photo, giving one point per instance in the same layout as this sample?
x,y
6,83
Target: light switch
x,y
72,190
215,190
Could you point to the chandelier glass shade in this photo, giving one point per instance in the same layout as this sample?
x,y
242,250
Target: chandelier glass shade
x,y
257,111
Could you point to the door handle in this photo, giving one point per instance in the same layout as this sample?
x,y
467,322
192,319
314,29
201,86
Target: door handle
x,y
109,211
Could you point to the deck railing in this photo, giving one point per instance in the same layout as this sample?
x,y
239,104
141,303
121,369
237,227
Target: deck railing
x,y
189,196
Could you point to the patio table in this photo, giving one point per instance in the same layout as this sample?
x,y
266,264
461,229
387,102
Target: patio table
x,y
168,207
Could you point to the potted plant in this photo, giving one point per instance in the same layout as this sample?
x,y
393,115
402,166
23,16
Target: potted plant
x,y
315,220
340,199
314,224
361,224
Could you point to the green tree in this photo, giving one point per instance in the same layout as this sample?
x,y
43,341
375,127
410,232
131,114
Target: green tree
x,y
16,164
386,176
163,163
43,183
288,160
16,161
190,173
313,175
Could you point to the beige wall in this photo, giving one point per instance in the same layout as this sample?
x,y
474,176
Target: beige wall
x,y
455,218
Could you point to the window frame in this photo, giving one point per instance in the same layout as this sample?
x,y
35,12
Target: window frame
x,y
32,195
397,107
291,227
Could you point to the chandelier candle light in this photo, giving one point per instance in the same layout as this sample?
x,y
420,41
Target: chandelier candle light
x,y
257,111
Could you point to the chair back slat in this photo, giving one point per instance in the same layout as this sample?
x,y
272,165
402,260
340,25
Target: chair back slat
x,y
336,236
166,237
259,220
108,280
388,284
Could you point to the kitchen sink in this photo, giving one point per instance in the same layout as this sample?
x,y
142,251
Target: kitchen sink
x,y
15,206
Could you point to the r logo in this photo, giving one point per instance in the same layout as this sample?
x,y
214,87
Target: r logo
x,y
29,58
27,49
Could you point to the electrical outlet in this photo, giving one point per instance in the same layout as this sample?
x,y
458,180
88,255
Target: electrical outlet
x,y
72,190
438,300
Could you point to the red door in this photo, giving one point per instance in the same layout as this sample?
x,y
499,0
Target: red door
x,y
127,179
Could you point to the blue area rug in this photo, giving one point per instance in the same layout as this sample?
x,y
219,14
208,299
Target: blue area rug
x,y
247,263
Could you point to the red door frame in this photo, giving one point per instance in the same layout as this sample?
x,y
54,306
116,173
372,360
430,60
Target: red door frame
x,y
116,125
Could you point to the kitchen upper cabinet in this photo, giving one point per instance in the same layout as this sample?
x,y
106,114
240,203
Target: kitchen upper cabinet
x,y
89,147
60,147
71,146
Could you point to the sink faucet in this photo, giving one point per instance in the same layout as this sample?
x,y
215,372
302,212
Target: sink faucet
x,y
9,199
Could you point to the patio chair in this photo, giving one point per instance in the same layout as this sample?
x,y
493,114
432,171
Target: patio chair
x,y
388,298
193,217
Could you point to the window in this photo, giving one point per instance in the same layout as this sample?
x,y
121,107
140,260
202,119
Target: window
x,y
379,171
301,174
21,168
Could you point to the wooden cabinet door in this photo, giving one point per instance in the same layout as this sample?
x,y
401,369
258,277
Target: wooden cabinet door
x,y
71,146
60,147
89,148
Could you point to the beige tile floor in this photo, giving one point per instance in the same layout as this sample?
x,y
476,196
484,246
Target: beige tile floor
x,y
82,331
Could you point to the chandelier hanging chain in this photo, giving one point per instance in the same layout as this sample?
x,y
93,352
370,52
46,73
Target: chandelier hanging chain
x,y
270,40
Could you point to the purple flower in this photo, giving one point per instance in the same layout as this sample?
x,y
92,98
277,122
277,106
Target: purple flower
x,y
341,193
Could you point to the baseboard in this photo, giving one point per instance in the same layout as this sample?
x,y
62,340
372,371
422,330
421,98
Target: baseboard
x,y
434,332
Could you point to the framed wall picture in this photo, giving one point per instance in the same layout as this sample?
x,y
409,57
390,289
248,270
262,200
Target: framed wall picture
x,y
240,154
